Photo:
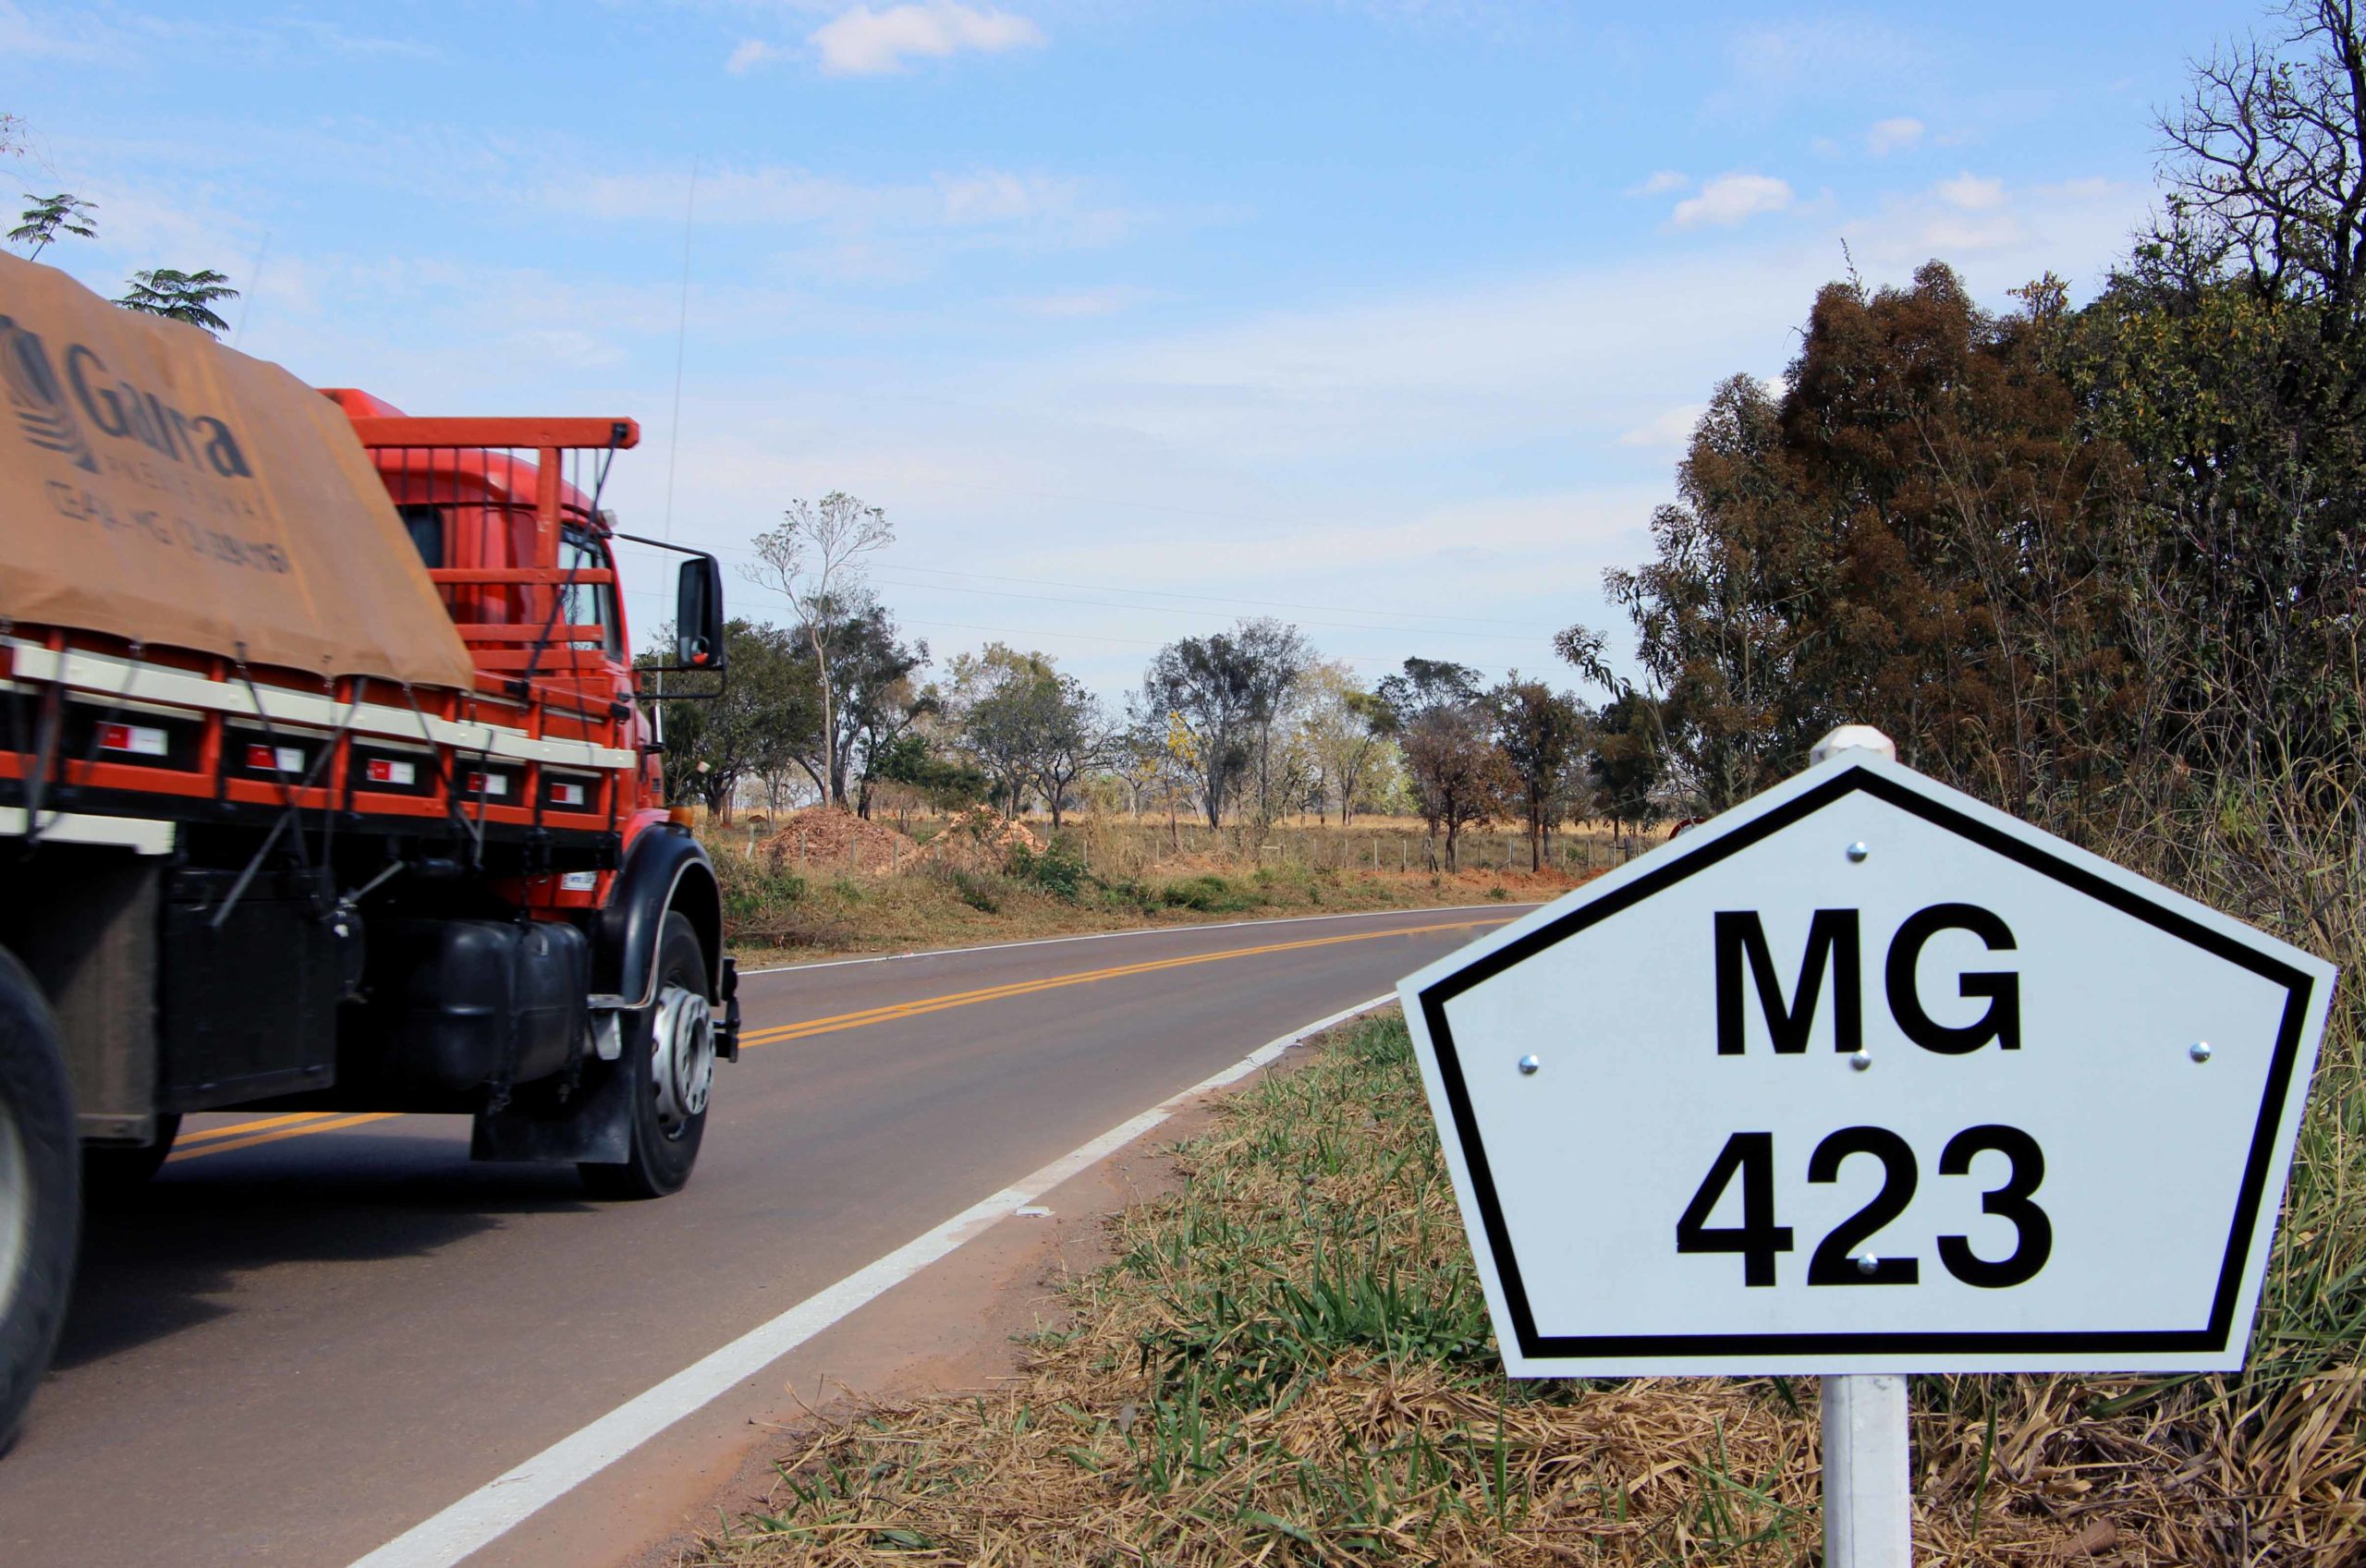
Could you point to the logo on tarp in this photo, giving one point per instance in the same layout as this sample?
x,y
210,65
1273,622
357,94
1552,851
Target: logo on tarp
x,y
43,411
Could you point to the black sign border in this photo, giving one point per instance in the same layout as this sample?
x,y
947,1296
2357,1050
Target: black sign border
x,y
2298,987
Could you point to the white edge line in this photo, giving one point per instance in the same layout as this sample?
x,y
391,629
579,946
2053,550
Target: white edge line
x,y
508,1499
1131,930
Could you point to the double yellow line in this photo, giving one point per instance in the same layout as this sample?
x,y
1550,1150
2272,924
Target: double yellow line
x,y
267,1129
302,1123
1027,987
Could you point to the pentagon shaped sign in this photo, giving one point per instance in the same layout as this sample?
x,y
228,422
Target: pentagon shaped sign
x,y
1866,1076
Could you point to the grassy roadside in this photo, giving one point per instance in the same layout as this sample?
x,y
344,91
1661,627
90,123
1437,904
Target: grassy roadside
x,y
1289,1361
779,914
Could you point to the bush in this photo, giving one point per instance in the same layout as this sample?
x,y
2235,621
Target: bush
x,y
1057,868
977,890
1209,893
753,896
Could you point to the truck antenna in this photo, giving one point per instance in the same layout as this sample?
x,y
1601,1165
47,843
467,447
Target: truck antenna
x,y
681,339
254,277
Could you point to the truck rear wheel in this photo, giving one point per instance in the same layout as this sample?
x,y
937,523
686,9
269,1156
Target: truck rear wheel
x,y
39,1191
669,1052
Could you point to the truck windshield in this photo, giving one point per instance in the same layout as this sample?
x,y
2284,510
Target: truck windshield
x,y
426,527
588,604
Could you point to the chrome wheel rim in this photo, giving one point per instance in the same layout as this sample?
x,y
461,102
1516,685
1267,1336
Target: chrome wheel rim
x,y
682,1063
16,1205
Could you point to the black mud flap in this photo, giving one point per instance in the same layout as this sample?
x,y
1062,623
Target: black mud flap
x,y
592,1127
727,1033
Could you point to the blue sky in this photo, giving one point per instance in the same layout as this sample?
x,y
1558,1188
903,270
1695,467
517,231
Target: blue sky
x,y
1386,316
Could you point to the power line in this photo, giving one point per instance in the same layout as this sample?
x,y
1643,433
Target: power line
x,y
681,344
1026,634
1228,599
1172,610
1534,631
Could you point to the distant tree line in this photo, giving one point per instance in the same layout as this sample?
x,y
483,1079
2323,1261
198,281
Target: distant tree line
x,y
1239,727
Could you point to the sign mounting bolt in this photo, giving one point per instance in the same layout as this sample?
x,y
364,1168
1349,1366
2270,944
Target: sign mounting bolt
x,y
1858,1060
1527,1066
1860,850
1867,1264
2199,1050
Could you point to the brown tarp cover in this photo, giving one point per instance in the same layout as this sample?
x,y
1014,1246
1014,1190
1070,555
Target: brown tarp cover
x,y
156,485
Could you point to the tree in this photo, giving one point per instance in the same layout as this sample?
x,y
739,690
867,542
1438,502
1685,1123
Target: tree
x,y
1277,658
1074,740
998,706
1458,774
180,297
1541,733
50,216
909,762
815,559
2265,177
766,714
1346,729
1225,692
1916,535
1629,762
876,700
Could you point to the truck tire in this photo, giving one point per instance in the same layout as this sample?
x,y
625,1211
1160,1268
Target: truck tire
x,y
669,1051
113,1172
41,1197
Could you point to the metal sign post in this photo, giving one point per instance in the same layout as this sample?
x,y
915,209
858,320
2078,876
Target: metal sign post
x,y
1868,1467
1863,1079
1868,1483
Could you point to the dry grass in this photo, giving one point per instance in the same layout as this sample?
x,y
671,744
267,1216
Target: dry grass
x,y
1290,1362
792,892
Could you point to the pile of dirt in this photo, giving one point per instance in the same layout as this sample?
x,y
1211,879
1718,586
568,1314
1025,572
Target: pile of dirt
x,y
979,839
832,836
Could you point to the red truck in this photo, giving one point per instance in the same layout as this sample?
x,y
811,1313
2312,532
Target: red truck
x,y
329,782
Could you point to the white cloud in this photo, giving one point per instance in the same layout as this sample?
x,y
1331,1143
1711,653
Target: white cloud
x,y
1729,199
1082,304
2006,236
1673,427
1661,182
1971,193
1893,135
754,52
868,42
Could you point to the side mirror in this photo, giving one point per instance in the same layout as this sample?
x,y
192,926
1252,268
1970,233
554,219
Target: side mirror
x,y
698,615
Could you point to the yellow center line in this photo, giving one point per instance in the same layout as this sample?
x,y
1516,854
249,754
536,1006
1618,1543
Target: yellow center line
x,y
278,1133
301,1124
238,1129
913,1009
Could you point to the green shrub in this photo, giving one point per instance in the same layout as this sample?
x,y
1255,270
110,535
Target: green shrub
x,y
978,892
1209,893
1057,868
755,897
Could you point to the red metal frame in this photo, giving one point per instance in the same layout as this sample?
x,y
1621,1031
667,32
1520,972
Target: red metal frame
x,y
501,591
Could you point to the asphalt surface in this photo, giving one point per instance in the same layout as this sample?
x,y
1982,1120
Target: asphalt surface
x,y
308,1336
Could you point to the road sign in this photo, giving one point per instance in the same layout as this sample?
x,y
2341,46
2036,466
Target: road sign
x,y
1866,1076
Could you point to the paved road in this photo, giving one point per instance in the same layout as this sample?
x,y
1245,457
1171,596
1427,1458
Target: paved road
x,y
312,1334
